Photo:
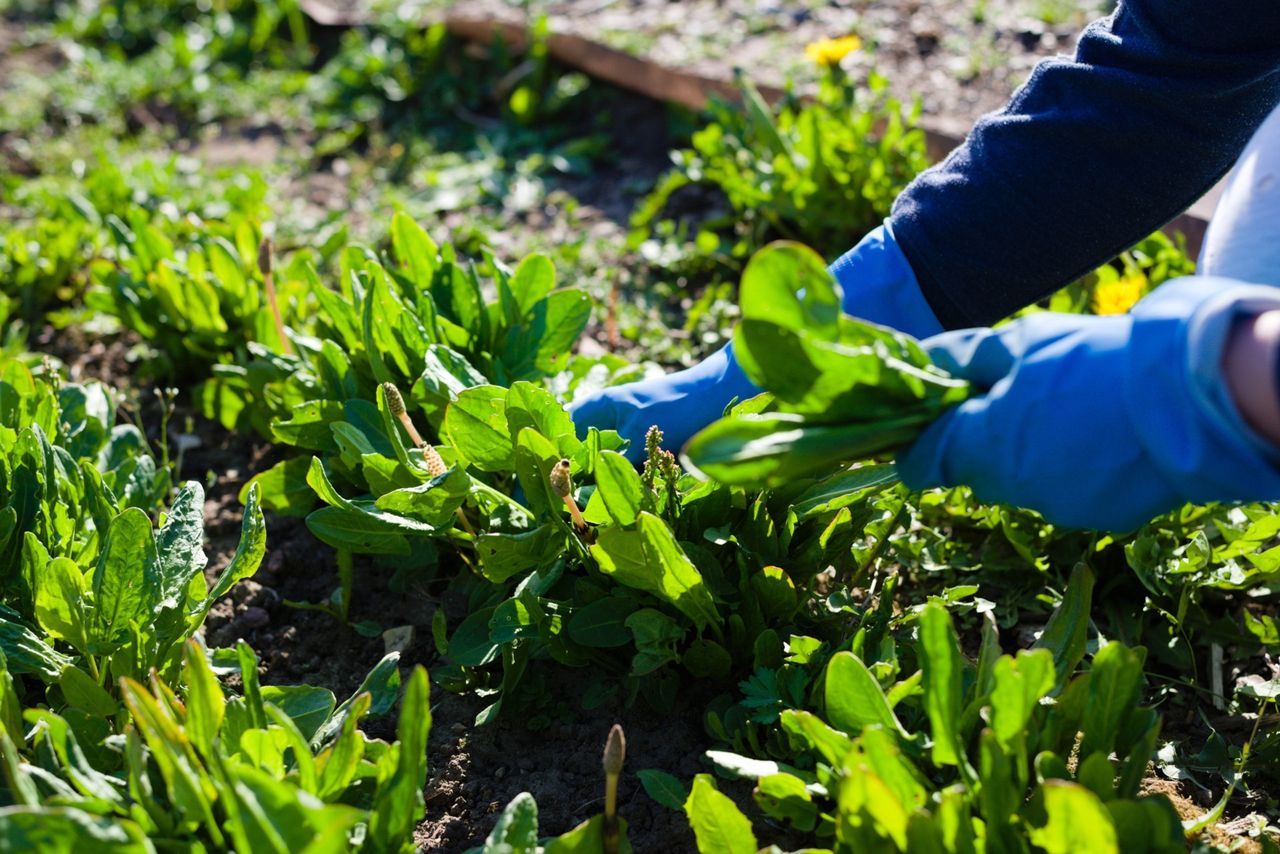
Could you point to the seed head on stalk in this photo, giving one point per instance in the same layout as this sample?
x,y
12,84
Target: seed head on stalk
x,y
562,484
395,403
615,753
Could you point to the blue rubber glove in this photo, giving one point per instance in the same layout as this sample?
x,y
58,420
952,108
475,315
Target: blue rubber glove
x,y
878,286
1102,422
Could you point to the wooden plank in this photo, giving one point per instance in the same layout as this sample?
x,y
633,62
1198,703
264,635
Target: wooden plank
x,y
686,88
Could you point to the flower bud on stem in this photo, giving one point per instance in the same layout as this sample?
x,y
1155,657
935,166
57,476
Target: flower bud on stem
x,y
430,456
562,485
269,285
615,753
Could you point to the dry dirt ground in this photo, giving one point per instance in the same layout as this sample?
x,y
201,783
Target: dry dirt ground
x,y
962,58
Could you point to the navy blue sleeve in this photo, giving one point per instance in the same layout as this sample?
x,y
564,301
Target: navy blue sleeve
x,y
1091,155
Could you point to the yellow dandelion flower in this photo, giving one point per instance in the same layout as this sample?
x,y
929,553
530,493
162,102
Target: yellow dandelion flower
x,y
829,52
1119,296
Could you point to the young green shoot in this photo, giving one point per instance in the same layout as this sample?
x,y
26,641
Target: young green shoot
x,y
269,285
615,753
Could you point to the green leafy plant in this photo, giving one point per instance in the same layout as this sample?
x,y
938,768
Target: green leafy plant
x,y
821,171
960,756
280,769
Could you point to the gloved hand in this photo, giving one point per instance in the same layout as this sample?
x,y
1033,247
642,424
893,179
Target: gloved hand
x,y
1102,422
878,286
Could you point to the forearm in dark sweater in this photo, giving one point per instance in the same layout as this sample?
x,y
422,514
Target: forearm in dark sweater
x,y
1091,155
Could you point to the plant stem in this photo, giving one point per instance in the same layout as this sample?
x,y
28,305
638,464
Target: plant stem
x,y
269,285
880,545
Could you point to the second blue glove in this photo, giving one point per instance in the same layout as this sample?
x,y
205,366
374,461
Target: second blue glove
x,y
1101,422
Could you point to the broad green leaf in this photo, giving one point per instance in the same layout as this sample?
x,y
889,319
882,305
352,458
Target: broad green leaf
x,y
302,760
206,704
308,425
124,582
602,624
866,809
284,487
1077,821
512,620
357,531
533,279
943,671
59,829
664,788
809,732
853,698
60,606
470,645
446,374
187,783
535,457
656,636
619,487
882,753
504,556
588,838
1115,683
1067,632
789,284
1000,797
706,659
86,416
1148,824
82,693
378,316
649,559
842,489
475,426
1018,686
398,804
542,344
308,706
870,375
414,249
360,526
247,557
181,557
775,593
718,825
529,405
434,502
516,830
26,652
338,762
786,798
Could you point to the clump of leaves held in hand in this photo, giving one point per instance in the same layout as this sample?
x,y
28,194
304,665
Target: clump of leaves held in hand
x,y
838,389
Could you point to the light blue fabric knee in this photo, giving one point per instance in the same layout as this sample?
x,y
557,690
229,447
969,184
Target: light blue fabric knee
x,y
1243,240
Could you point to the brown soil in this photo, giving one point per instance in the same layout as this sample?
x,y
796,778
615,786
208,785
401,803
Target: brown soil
x,y
963,58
